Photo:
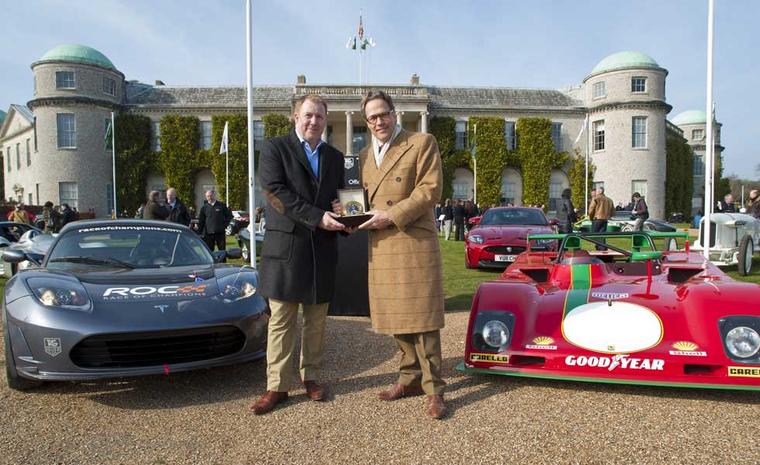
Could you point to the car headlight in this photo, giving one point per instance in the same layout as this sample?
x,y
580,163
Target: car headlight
x,y
495,334
476,239
743,342
238,286
59,293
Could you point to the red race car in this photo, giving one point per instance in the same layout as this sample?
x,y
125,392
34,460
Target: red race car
x,y
501,234
624,314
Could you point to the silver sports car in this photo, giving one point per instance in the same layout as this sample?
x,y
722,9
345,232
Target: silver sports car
x,y
128,298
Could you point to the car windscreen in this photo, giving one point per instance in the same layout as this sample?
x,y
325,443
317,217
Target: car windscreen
x,y
513,216
128,247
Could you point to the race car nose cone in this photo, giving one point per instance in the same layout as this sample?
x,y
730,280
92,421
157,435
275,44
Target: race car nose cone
x,y
613,328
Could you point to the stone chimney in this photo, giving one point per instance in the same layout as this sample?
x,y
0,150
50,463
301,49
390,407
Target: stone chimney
x,y
415,81
301,80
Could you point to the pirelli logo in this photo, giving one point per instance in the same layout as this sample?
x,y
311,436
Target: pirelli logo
x,y
493,358
744,372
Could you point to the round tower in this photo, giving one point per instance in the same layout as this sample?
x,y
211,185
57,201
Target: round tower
x,y
75,90
693,123
625,96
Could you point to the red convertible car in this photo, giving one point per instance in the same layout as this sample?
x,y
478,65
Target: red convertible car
x,y
501,234
628,314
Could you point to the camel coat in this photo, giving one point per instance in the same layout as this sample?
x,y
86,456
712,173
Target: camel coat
x,y
405,268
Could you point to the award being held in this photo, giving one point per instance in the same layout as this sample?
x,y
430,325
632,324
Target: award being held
x,y
354,207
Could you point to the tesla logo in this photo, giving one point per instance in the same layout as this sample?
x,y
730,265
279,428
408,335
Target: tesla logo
x,y
161,307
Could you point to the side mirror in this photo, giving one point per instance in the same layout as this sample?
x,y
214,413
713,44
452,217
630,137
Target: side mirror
x,y
14,256
234,253
554,222
475,220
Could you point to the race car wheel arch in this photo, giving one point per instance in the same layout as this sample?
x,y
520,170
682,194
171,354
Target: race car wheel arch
x,y
746,250
15,381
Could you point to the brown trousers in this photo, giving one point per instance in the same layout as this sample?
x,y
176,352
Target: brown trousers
x,y
421,361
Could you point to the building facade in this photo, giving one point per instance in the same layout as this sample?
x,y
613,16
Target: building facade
x,y
53,148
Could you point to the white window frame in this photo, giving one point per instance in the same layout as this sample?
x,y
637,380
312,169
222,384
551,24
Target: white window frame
x,y
8,157
636,80
599,90
640,186
206,133
598,135
18,155
510,135
109,86
155,133
28,152
258,134
508,191
698,134
460,133
699,165
639,132
557,136
61,83
68,192
66,137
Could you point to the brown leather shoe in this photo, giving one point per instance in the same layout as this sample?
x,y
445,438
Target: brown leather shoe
x,y
314,391
267,402
397,391
435,407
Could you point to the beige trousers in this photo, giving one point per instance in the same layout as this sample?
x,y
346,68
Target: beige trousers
x,y
421,361
281,343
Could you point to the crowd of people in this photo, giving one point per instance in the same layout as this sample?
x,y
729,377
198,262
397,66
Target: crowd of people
x,y
52,219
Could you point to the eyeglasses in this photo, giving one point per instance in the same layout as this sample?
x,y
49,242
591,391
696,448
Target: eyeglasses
x,y
373,119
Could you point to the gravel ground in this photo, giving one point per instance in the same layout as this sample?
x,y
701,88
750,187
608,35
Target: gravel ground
x,y
203,417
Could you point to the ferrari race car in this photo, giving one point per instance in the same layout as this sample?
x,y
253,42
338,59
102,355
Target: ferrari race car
x,y
627,314
126,298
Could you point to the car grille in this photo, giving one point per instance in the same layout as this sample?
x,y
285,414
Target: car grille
x,y
502,249
133,350
702,233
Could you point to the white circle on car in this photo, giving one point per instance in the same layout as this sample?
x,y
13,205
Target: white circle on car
x,y
612,327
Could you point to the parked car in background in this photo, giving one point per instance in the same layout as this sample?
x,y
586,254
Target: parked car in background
x,y
244,242
621,221
11,232
35,245
240,220
734,240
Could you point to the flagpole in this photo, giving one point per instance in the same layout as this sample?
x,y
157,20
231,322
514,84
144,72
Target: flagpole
x,y
227,174
249,86
709,167
585,185
113,162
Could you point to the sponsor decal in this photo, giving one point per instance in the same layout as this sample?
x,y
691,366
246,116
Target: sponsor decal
x,y
348,163
161,307
52,346
745,372
624,362
129,228
542,343
687,349
143,292
610,295
353,182
493,358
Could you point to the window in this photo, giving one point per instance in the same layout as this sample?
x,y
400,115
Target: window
x,y
510,135
360,139
206,135
28,152
109,200
640,186
8,157
68,193
699,165
599,135
67,131
34,125
109,86
18,156
639,132
258,134
508,191
599,90
557,136
461,135
156,135
638,84
698,134
31,199
65,80
555,194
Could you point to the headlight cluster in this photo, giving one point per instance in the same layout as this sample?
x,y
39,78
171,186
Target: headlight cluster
x,y
495,334
475,239
743,342
492,330
60,293
238,286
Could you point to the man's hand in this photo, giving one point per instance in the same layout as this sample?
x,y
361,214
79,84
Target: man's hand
x,y
328,222
379,220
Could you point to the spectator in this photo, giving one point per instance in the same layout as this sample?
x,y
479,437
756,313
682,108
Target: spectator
x,y
177,210
448,218
566,213
437,215
212,221
753,205
640,211
154,210
600,211
67,215
727,204
459,214
19,215
49,217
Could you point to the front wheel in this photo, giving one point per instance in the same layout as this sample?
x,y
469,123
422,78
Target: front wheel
x,y
746,250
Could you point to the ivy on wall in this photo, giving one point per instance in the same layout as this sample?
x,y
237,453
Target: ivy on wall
x,y
180,157
537,158
134,160
679,182
443,128
276,125
237,143
577,175
491,154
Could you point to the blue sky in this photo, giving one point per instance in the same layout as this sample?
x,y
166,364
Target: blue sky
x,y
534,44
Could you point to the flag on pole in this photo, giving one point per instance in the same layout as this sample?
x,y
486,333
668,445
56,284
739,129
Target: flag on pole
x,y
359,41
108,136
225,140
583,128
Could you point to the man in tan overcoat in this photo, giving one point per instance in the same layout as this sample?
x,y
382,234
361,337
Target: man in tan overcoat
x,y
402,174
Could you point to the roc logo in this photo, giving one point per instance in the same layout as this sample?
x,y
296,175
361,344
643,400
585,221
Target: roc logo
x,y
493,358
687,349
744,372
190,289
542,343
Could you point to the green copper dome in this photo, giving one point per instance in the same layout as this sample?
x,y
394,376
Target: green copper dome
x,y
690,117
78,54
621,60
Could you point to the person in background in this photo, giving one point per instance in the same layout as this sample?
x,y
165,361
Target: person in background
x,y
49,216
600,211
640,211
177,210
566,213
753,204
459,218
448,218
727,204
19,215
213,220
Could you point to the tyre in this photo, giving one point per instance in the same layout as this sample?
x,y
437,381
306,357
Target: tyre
x,y
228,230
245,253
746,250
671,244
15,381
627,227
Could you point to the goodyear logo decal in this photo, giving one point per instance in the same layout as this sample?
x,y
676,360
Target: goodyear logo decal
x,y
745,372
493,358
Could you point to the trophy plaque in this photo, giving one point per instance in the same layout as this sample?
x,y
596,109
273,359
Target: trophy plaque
x,y
354,207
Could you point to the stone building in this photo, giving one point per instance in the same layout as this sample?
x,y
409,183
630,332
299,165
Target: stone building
x,y
53,147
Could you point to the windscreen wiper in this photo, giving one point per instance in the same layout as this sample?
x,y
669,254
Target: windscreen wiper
x,y
94,261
